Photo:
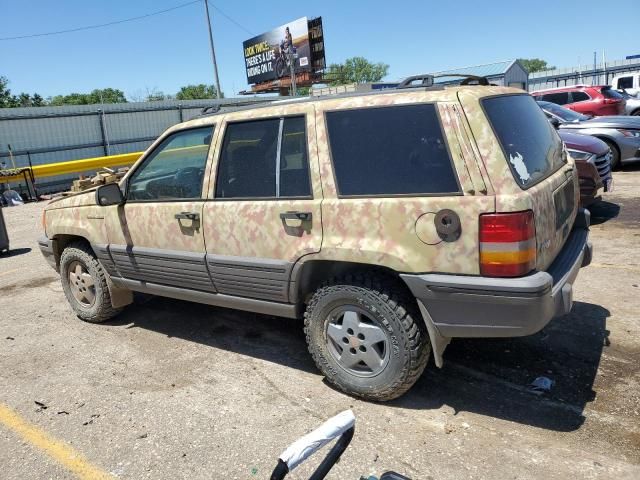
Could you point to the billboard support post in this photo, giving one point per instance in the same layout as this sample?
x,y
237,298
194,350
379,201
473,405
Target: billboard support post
x,y
213,51
292,66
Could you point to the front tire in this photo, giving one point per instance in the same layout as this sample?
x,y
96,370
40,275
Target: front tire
x,y
615,155
366,337
84,283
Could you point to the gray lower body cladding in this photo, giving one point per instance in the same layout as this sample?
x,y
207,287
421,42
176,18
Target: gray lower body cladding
x,y
165,267
461,306
261,278
46,248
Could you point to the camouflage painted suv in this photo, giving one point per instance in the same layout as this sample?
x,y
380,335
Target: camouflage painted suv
x,y
391,222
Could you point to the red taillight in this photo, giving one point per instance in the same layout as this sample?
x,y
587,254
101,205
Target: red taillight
x,y
507,244
610,101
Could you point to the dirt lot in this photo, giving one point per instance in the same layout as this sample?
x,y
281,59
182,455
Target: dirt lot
x,y
177,390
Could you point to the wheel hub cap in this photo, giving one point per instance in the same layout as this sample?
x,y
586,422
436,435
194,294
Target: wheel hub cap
x,y
82,284
356,342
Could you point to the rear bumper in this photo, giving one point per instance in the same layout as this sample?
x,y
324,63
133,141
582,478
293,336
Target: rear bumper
x,y
461,306
46,247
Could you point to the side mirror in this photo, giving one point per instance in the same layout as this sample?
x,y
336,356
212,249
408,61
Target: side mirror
x,y
109,194
555,122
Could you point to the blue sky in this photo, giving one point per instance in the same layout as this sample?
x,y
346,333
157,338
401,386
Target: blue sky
x,y
170,50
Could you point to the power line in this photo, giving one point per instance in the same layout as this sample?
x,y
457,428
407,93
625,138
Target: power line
x,y
90,27
229,18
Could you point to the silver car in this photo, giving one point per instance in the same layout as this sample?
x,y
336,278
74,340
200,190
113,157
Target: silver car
x,y
621,133
633,103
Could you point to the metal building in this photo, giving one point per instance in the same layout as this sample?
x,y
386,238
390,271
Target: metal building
x,y
509,73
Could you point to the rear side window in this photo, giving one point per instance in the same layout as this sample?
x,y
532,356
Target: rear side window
x,y
530,144
561,98
579,97
397,150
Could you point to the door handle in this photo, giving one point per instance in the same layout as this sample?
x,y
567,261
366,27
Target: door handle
x,y
187,216
295,215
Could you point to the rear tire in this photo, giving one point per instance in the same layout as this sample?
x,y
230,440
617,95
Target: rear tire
x,y
366,336
84,283
636,112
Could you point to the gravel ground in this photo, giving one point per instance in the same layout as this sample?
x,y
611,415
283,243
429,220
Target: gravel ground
x,y
177,390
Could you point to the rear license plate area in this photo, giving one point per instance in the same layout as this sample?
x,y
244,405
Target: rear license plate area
x,y
563,199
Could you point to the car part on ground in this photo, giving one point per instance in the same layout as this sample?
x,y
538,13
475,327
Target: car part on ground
x,y
597,100
340,427
621,133
339,210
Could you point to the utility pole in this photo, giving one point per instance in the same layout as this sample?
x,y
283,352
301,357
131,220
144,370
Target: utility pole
x,y
213,52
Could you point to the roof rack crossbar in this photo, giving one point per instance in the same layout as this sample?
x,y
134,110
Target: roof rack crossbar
x,y
425,80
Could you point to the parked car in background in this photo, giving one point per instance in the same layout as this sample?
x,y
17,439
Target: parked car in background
x,y
632,106
627,81
621,133
592,157
598,100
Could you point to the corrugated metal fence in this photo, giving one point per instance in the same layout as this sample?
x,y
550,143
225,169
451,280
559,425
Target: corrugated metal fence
x,y
584,74
42,135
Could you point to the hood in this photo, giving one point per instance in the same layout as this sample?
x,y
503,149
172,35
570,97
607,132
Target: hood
x,y
86,197
584,143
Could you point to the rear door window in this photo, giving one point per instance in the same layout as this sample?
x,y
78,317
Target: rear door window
x,y
579,97
531,145
385,151
561,98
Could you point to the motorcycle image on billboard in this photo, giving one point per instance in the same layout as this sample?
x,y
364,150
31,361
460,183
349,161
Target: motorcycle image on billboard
x,y
268,56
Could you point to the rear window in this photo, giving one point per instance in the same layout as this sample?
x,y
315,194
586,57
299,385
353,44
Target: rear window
x,y
608,92
397,150
530,144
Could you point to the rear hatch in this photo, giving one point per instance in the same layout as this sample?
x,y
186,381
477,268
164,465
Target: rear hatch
x,y
546,180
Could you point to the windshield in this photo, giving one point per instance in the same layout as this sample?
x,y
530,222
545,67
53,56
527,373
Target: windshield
x,y
530,144
564,114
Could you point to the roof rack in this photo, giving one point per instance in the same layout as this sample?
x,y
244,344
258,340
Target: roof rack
x,y
427,80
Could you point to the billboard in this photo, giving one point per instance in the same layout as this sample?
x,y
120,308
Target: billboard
x,y
267,56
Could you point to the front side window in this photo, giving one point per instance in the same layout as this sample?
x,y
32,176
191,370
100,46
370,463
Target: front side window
x,y
397,150
531,145
264,159
175,169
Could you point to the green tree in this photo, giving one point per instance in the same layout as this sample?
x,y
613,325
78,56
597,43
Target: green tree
x,y
197,92
7,100
355,70
5,93
37,101
533,65
97,96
